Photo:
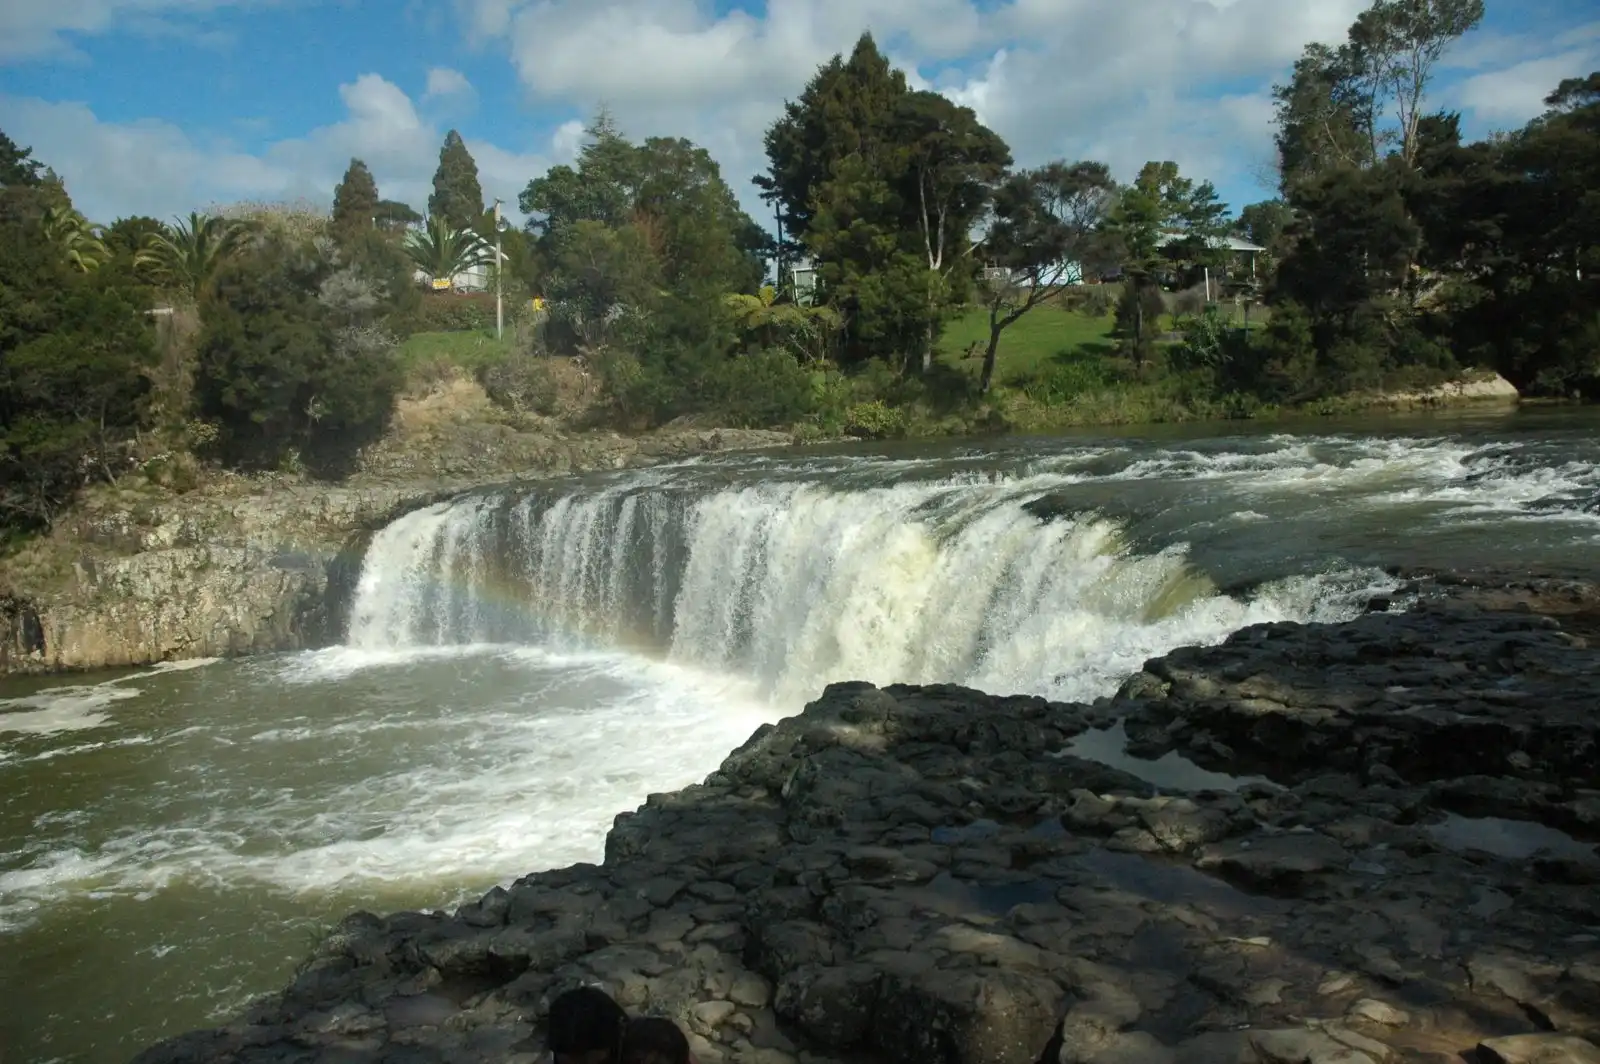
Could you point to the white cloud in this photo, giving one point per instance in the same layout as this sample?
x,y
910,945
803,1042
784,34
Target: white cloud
x,y
37,28
1123,82
443,81
114,169
566,141
1511,96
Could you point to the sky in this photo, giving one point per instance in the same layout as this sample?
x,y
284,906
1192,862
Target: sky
x,y
160,107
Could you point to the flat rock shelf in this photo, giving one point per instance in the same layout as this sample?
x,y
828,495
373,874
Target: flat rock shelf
x,y
1394,861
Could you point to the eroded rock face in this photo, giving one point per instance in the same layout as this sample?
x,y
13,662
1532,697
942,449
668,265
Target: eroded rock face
x,y
922,875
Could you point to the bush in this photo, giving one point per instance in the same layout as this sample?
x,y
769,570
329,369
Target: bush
x,y
1136,335
1066,378
762,388
452,312
875,420
522,384
1282,365
1207,339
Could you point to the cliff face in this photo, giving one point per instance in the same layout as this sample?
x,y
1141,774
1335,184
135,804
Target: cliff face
x,y
243,565
938,876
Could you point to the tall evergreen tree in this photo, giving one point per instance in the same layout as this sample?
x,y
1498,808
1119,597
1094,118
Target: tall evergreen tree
x,y
355,201
17,165
393,216
881,186
457,195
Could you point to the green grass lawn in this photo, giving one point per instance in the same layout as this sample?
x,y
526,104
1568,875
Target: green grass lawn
x,y
1045,335
469,350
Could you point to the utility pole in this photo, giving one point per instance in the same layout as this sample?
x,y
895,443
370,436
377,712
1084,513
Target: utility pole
x,y
499,303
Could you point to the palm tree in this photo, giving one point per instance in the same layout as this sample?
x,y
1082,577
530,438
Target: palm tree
x,y
186,256
78,241
442,251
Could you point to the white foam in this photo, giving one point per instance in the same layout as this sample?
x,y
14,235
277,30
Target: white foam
x,y
61,709
507,789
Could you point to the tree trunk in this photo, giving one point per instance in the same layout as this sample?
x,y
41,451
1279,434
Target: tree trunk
x,y
928,343
995,329
1138,324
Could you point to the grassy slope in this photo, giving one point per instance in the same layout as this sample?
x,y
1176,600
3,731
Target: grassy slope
x,y
1044,335
469,350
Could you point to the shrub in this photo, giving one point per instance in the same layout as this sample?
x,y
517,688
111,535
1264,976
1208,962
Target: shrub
x,y
452,312
1067,378
875,420
522,384
1205,343
762,388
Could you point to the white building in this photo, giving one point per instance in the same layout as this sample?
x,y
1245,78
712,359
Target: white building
x,y
471,279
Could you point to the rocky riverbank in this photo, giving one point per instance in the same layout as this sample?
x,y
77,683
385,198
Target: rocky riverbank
x,y
939,875
138,574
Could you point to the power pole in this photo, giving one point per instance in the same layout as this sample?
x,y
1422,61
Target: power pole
x,y
499,304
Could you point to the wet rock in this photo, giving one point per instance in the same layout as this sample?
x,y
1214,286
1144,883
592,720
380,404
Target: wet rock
x,y
1378,1012
1277,864
1539,1049
942,1017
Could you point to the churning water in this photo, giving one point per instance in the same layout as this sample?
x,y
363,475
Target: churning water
x,y
521,665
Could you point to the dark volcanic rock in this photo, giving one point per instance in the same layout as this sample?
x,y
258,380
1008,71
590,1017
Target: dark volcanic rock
x,y
925,875
1445,692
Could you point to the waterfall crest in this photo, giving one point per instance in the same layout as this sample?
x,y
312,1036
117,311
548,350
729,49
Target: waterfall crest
x,y
795,584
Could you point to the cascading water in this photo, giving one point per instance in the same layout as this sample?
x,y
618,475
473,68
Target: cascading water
x,y
794,584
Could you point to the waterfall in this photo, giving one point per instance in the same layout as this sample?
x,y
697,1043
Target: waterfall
x,y
797,583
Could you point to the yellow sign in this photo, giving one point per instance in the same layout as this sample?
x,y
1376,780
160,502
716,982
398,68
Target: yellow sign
x,y
441,283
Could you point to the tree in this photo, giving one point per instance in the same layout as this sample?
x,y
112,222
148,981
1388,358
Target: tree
x,y
1047,224
125,237
1398,43
74,351
441,251
953,162
355,201
880,187
392,216
293,364
632,227
849,108
1162,221
186,256
1332,112
457,195
1514,226
74,239
17,165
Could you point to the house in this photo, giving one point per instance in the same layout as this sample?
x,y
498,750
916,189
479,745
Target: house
x,y
1069,273
1238,252
471,279
803,281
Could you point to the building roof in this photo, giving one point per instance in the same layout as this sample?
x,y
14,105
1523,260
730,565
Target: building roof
x,y
1223,243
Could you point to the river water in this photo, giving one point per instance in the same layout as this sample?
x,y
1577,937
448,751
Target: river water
x,y
520,666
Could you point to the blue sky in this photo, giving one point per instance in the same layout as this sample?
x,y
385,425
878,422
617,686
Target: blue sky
x,y
162,106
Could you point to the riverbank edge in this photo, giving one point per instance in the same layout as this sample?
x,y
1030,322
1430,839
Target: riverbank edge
x,y
787,910
136,574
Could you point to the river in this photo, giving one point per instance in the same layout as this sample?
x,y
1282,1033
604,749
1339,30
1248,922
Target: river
x,y
520,666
